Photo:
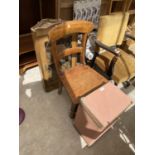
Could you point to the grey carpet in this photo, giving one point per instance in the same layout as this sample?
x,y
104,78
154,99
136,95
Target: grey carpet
x,y
48,130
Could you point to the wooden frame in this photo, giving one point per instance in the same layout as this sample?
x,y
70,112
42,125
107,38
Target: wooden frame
x,y
40,38
27,58
125,7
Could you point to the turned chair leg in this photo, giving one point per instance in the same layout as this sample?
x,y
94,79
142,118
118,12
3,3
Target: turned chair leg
x,y
73,110
60,88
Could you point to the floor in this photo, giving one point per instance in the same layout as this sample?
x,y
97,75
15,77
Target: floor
x,y
48,130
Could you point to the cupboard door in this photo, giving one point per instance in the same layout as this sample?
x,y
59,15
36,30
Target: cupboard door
x,y
29,14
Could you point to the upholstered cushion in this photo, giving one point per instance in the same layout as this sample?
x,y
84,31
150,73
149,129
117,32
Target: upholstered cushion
x,y
124,68
80,80
112,28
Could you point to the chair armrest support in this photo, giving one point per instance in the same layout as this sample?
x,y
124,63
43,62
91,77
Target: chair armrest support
x,y
96,44
109,49
113,61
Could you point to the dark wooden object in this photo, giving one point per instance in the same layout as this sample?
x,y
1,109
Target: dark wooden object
x,y
30,12
121,5
27,58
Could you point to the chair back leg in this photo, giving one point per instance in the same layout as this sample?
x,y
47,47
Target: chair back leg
x,y
73,110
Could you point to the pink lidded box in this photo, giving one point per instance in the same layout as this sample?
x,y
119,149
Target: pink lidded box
x,y
99,110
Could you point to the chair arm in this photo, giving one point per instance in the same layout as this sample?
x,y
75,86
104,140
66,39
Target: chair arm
x,y
110,49
114,59
127,35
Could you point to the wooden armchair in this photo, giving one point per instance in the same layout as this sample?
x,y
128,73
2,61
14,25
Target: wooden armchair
x,y
79,79
116,63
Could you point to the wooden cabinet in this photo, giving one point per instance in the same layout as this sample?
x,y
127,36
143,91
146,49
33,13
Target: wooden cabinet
x,y
64,9
27,58
30,12
121,5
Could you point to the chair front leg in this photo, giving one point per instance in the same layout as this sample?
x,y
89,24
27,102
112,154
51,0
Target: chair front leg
x,y
60,87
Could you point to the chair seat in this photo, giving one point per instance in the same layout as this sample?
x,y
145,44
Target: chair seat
x,y
124,68
80,80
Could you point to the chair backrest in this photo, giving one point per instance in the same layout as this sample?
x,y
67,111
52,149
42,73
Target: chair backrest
x,y
73,29
111,29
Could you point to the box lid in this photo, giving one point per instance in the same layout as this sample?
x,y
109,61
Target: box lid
x,y
105,104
